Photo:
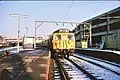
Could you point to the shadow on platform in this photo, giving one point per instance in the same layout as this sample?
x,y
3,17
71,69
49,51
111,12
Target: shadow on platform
x,y
15,69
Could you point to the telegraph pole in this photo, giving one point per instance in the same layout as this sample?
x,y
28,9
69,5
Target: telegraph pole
x,y
18,31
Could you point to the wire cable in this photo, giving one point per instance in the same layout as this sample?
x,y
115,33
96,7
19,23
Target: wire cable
x,y
70,7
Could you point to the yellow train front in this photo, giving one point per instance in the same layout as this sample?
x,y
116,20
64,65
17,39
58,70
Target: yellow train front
x,y
63,43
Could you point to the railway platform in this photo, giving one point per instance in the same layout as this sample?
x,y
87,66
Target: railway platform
x,y
109,55
26,65
112,51
38,66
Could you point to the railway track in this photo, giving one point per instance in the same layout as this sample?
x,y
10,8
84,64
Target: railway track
x,y
102,69
65,68
60,68
97,59
81,67
113,67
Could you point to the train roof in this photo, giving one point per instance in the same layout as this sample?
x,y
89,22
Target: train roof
x,y
62,30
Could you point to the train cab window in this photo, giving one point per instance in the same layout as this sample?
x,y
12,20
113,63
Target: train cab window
x,y
58,37
70,37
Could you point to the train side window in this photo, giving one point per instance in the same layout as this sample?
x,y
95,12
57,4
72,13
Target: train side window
x,y
70,37
58,37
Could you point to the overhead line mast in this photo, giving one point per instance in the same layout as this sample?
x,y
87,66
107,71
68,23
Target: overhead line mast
x,y
56,22
18,16
70,7
87,25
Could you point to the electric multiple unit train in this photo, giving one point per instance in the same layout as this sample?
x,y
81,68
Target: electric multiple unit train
x,y
61,43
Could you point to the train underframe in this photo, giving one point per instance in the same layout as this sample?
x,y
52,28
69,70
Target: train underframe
x,y
63,53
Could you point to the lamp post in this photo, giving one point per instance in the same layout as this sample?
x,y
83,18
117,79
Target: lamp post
x,y
18,31
26,30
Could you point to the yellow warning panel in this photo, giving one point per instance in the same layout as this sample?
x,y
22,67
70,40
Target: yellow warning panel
x,y
84,44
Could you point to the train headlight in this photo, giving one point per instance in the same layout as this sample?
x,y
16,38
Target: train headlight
x,y
57,50
72,50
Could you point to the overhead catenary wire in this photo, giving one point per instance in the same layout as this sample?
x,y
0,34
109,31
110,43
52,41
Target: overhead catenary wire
x,y
68,11
70,7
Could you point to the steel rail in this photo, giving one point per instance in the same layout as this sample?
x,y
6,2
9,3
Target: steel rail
x,y
84,71
63,73
98,65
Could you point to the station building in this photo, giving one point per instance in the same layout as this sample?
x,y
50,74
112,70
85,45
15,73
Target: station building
x,y
29,42
102,25
2,41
